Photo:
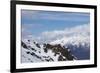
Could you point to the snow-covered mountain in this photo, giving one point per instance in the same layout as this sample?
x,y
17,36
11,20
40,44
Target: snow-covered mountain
x,y
35,52
79,40
57,45
79,46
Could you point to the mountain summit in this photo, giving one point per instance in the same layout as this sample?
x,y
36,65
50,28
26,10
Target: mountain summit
x,y
35,52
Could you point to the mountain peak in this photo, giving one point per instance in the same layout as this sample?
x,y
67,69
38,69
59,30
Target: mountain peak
x,y
34,52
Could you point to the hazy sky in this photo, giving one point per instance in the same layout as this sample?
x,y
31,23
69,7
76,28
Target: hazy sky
x,y
36,22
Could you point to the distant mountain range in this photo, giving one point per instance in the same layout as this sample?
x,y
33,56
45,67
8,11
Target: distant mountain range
x,y
80,47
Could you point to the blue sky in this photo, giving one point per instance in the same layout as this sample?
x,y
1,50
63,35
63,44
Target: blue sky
x,y
36,22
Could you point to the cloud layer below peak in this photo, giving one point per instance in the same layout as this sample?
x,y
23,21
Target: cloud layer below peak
x,y
76,35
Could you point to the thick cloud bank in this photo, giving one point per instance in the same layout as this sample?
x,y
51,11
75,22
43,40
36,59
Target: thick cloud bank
x,y
74,35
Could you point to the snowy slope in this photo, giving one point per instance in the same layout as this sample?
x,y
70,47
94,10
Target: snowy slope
x,y
78,44
35,52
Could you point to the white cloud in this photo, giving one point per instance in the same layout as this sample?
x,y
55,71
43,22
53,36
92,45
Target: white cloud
x,y
75,35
